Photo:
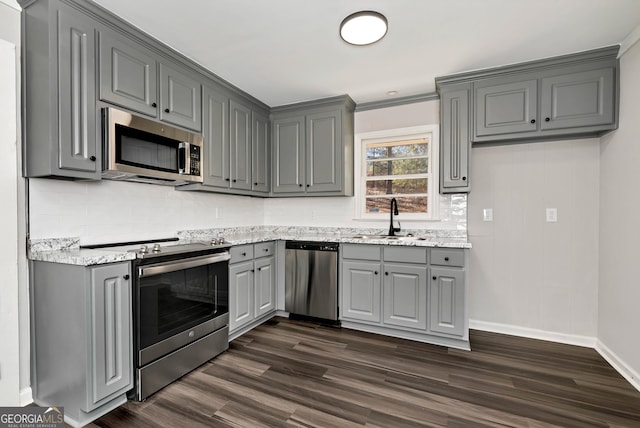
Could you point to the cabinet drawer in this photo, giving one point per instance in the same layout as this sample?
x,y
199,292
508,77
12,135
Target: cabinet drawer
x,y
265,249
360,252
241,253
405,254
447,257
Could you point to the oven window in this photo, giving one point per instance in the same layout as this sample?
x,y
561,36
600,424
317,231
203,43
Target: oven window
x,y
146,150
176,301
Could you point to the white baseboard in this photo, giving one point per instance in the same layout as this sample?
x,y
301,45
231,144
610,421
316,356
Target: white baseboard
x,y
621,367
26,396
532,333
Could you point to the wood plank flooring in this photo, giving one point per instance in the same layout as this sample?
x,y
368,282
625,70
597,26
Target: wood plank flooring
x,y
300,374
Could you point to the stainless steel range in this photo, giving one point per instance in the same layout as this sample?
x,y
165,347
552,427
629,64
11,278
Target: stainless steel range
x,y
180,309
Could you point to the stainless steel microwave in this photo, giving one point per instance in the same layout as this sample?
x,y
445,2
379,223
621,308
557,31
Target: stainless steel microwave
x,y
142,150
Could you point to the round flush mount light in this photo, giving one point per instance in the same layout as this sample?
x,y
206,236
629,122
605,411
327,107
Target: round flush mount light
x,y
363,28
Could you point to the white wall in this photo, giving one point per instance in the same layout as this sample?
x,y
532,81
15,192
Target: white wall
x,y
527,273
619,295
111,211
340,211
14,315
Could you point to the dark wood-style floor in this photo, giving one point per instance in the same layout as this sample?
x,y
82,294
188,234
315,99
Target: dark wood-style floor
x,y
292,373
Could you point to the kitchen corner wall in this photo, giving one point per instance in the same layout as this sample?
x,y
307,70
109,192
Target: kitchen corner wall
x,y
340,211
529,276
112,211
619,296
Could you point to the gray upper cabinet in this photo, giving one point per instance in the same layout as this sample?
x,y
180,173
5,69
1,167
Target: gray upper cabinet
x,y
578,99
455,142
128,74
60,129
215,131
261,158
240,145
505,108
313,148
180,98
288,154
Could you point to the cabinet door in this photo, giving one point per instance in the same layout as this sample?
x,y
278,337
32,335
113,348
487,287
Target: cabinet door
x,y
78,142
241,295
454,139
578,99
240,146
180,98
128,75
324,152
288,155
111,352
265,286
405,295
361,291
261,158
505,108
446,301
215,131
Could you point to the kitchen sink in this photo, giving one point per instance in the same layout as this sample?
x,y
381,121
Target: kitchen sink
x,y
390,238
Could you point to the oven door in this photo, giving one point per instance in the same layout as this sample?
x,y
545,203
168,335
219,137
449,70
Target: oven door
x,y
180,301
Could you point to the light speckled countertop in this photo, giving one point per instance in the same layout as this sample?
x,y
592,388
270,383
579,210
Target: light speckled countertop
x,y
68,251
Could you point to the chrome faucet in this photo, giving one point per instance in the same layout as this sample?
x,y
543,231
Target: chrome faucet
x,y
393,209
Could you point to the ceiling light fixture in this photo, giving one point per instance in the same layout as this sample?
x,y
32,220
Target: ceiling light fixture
x,y
363,28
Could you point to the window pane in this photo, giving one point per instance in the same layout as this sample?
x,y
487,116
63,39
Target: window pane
x,y
398,149
409,204
397,167
390,187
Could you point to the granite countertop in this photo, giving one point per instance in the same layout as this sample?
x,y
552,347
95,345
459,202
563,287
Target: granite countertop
x,y
68,251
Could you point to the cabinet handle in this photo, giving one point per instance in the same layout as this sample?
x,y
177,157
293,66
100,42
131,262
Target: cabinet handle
x,y
126,277
533,121
255,184
434,277
154,105
244,254
259,269
547,119
308,185
167,110
386,273
464,178
226,179
266,250
92,158
253,270
446,259
299,185
234,180
375,272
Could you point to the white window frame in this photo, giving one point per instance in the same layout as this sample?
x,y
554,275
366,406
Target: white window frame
x,y
416,132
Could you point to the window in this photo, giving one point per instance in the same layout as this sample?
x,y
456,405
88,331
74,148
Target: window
x,y
398,164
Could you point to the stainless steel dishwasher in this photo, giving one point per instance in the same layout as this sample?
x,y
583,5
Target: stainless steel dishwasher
x,y
311,279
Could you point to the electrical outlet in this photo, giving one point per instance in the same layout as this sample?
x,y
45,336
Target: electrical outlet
x,y
487,214
552,215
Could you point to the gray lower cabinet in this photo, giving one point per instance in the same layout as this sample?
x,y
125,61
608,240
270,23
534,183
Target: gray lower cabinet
x,y
252,284
446,294
361,291
455,140
313,148
61,137
81,336
411,292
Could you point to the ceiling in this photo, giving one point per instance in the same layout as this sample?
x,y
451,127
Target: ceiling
x,y
286,51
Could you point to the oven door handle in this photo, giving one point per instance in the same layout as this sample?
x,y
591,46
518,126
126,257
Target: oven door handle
x,y
161,268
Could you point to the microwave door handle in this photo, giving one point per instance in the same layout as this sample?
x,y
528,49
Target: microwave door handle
x,y
161,268
183,158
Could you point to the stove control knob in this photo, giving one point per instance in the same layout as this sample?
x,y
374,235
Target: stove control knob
x,y
156,248
144,249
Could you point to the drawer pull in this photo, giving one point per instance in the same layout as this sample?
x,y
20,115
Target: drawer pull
x,y
446,259
266,250
243,254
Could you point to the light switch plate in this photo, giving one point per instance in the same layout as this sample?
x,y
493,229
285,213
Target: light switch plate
x,y
552,215
487,214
